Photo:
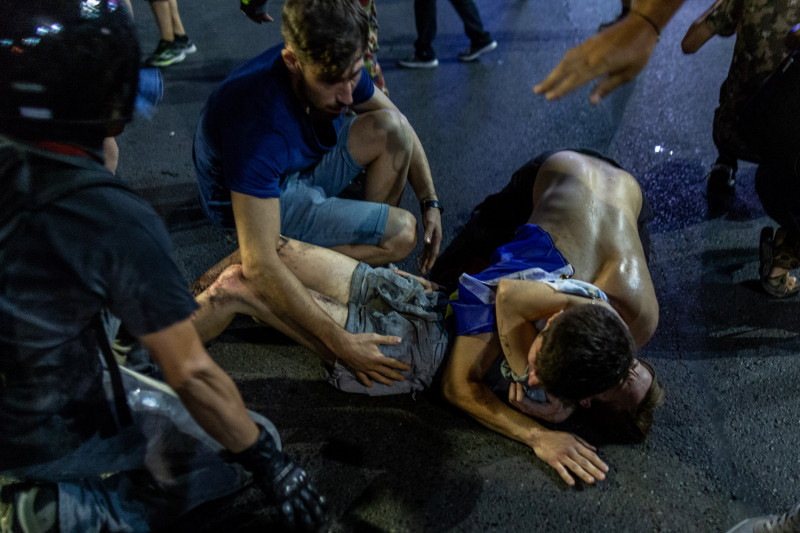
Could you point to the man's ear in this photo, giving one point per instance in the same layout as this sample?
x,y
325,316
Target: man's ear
x,y
549,320
290,60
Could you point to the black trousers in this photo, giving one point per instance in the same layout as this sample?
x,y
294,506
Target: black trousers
x,y
425,18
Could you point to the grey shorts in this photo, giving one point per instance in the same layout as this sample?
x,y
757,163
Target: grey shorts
x,y
388,304
311,212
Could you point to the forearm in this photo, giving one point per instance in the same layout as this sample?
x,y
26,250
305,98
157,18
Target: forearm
x,y
480,403
213,400
419,172
292,305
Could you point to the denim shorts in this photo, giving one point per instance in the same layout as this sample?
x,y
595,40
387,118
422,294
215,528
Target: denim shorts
x,y
386,303
311,212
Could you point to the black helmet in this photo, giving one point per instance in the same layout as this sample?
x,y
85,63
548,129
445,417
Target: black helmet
x,y
68,68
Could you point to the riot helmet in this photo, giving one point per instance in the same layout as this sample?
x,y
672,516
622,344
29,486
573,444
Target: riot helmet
x,y
68,69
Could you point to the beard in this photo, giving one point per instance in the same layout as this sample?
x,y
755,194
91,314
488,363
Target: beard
x,y
317,113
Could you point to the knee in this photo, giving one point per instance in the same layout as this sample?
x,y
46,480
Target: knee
x,y
400,236
394,129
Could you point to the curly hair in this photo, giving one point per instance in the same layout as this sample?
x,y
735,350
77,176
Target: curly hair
x,y
325,33
585,350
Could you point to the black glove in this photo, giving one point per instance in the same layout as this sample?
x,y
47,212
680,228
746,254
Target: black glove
x,y
300,505
254,9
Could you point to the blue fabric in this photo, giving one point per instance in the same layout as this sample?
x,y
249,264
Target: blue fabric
x,y
254,132
531,255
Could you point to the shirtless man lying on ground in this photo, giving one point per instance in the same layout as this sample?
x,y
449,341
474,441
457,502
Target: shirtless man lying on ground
x,y
584,355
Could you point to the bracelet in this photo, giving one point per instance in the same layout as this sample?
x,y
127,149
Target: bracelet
x,y
428,204
648,19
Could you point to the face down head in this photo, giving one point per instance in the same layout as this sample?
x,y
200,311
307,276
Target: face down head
x,y
585,355
583,351
68,69
325,42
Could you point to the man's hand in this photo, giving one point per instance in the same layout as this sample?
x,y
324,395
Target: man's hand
x,y
362,356
299,504
256,10
615,56
553,410
569,453
432,223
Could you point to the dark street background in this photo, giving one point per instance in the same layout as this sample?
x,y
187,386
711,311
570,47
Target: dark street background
x,y
724,447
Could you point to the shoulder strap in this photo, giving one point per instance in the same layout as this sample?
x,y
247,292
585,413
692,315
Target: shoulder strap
x,y
22,193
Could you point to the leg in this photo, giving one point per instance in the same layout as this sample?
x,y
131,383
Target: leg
x,y
425,19
163,15
380,145
777,189
382,142
166,465
326,273
473,26
175,18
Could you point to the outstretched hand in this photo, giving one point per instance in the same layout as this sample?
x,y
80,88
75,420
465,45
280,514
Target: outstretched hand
x,y
364,358
614,56
432,239
570,454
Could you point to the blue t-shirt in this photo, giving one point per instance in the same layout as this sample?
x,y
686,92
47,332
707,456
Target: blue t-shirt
x,y
254,131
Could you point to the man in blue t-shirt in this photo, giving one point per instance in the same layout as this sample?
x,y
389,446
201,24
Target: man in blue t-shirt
x,y
275,146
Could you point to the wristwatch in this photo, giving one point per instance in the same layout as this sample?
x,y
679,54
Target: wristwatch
x,y
428,204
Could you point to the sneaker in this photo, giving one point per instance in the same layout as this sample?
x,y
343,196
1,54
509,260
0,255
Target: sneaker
x,y
417,62
474,52
788,522
721,179
185,44
166,54
35,510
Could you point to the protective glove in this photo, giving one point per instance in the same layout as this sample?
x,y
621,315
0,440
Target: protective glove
x,y
300,506
255,10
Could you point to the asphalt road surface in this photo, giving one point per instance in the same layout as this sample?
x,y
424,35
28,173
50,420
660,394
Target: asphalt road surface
x,y
724,446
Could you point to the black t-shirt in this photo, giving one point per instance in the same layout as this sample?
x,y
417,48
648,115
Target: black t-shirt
x,y
100,247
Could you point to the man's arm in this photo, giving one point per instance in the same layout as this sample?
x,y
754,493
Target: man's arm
x,y
614,56
205,389
214,402
421,181
258,230
463,386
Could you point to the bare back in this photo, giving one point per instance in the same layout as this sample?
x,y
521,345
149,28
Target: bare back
x,y
590,208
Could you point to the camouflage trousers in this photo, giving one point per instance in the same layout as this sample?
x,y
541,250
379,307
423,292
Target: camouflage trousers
x,y
760,27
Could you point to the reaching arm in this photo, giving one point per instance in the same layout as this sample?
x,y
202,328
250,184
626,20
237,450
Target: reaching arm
x,y
421,181
614,56
463,386
214,402
258,229
204,388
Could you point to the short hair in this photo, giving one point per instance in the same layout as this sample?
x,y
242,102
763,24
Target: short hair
x,y
325,33
629,425
585,350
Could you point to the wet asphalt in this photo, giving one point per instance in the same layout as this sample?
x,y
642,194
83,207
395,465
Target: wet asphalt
x,y
724,447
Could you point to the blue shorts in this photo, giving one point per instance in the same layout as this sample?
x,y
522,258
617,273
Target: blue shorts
x,y
311,212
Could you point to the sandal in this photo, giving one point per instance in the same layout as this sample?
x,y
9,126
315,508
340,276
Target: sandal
x,y
771,256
